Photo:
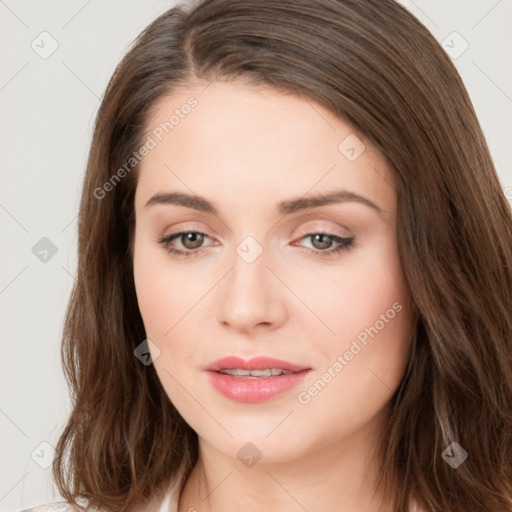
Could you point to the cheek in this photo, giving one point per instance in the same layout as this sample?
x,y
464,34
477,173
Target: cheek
x,y
164,301
365,286
159,291
364,364
376,324
369,310
164,293
149,289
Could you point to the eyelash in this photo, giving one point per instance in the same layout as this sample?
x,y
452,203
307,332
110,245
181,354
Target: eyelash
x,y
344,244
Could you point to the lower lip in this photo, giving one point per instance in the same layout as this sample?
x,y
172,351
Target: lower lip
x,y
254,390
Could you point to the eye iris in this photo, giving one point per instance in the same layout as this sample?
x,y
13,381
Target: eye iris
x,y
196,240
325,241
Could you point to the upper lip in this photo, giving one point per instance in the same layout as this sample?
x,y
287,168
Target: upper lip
x,y
256,363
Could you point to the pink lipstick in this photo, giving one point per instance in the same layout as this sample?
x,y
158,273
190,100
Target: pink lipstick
x,y
254,380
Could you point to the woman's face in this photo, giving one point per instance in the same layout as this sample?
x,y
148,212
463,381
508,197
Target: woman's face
x,y
269,269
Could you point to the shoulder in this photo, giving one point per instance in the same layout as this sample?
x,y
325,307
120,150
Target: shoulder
x,y
57,506
166,501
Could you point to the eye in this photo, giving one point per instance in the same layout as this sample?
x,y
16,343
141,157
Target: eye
x,y
191,241
322,241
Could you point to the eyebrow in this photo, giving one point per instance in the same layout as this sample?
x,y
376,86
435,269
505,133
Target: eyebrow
x,y
283,208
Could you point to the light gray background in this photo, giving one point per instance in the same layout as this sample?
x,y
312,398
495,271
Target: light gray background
x,y
48,107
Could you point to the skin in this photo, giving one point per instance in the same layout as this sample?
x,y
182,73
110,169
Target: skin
x,y
245,149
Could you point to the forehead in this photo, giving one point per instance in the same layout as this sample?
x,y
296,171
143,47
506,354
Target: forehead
x,y
250,143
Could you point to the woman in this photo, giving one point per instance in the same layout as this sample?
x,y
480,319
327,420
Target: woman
x,y
295,273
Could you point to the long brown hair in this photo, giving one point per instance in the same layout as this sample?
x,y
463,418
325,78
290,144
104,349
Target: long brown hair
x,y
378,68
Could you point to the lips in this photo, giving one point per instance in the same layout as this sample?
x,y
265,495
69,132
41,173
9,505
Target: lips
x,y
254,380
256,363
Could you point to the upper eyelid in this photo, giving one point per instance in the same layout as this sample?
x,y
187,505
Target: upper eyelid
x,y
309,231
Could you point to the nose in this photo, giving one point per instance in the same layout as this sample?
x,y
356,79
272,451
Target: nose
x,y
251,296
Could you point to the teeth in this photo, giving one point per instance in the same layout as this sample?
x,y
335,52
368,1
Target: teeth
x,y
261,373
255,374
